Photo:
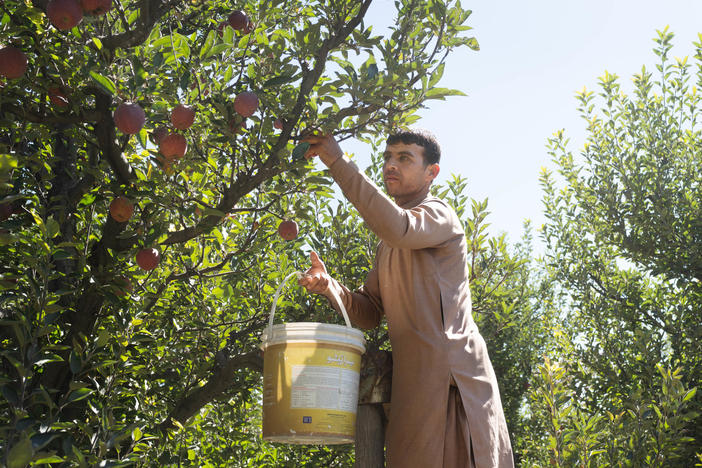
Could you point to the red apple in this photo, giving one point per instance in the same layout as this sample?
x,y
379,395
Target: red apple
x,y
148,259
278,124
121,209
58,97
238,20
13,62
173,146
123,285
129,117
246,103
288,229
6,211
96,7
64,14
220,28
164,164
158,134
182,116
235,127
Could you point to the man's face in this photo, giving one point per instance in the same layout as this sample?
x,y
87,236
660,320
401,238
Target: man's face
x,y
404,172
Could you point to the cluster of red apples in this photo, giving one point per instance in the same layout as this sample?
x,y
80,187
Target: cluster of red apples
x,y
64,15
121,210
130,117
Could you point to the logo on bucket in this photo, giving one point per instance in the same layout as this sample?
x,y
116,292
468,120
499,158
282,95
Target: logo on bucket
x,y
340,360
307,419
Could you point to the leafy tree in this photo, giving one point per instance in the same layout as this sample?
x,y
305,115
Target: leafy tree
x,y
103,361
624,237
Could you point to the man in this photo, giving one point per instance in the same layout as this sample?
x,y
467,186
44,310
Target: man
x,y
445,405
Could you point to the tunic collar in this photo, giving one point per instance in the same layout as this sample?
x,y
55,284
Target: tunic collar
x,y
415,201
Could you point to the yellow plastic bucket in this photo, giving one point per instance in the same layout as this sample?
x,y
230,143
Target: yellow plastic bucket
x,y
310,380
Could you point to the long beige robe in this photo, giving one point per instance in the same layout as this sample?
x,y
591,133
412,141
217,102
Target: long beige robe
x,y
445,401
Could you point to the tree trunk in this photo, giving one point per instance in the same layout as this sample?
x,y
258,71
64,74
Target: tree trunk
x,y
370,436
374,392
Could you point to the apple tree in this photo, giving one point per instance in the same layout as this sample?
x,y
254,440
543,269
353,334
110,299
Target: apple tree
x,y
624,237
149,151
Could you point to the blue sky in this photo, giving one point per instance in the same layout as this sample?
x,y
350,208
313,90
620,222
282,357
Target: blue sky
x,y
521,88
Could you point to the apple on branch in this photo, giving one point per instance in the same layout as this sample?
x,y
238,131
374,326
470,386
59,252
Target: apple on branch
x,y
240,21
288,229
182,116
148,259
173,146
96,7
13,62
158,134
129,117
64,14
121,209
57,97
246,103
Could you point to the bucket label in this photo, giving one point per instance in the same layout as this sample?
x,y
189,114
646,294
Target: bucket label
x,y
324,387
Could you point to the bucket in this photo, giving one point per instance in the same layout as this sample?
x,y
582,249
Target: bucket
x,y
310,379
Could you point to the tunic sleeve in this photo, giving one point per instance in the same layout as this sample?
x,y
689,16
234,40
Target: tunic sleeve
x,y
364,306
426,225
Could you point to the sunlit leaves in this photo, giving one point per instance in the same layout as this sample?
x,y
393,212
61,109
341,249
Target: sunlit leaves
x,y
624,251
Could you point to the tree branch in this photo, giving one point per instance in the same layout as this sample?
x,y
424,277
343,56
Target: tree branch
x,y
150,11
245,183
220,379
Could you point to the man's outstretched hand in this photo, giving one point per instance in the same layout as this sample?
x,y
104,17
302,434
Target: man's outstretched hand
x,y
316,279
324,146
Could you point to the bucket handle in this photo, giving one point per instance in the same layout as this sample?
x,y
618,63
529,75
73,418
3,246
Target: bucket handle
x,y
299,275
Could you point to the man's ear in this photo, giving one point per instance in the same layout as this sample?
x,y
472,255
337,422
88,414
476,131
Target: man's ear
x,y
434,171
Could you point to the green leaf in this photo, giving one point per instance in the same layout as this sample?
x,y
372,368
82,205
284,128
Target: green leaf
x,y
20,454
39,441
75,363
208,44
436,76
440,93
299,151
140,74
218,48
142,135
7,162
372,71
46,458
10,395
212,211
689,394
318,180
104,82
80,394
185,80
279,80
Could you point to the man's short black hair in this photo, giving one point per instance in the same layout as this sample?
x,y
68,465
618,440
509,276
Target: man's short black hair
x,y
423,138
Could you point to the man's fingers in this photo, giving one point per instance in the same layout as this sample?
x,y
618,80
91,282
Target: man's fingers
x,y
315,261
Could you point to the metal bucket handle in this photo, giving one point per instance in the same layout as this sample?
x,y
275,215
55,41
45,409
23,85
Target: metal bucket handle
x,y
299,275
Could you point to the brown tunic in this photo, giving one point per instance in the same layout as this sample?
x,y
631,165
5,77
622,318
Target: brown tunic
x,y
445,398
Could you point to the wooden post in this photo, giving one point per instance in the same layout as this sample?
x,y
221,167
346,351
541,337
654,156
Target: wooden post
x,y
370,436
374,392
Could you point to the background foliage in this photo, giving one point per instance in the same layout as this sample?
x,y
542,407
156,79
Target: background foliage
x,y
623,249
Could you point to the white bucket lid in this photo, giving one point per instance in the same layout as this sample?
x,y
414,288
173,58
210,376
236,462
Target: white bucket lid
x,y
313,332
